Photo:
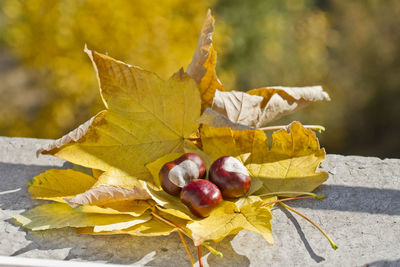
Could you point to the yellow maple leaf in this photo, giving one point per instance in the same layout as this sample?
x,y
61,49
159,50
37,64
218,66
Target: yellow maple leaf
x,y
58,184
148,122
65,185
131,207
227,219
218,142
145,118
111,186
202,67
59,215
168,203
290,164
153,227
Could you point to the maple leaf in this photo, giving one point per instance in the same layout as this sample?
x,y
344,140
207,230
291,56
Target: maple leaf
x,y
58,184
258,107
202,67
227,219
130,207
111,186
153,227
148,122
116,194
145,118
59,215
168,203
290,164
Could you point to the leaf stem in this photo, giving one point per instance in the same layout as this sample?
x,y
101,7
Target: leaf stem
x,y
334,246
158,215
318,128
212,250
284,199
199,256
186,248
292,193
184,231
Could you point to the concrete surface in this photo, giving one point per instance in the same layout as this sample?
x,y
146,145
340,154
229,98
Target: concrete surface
x,y
361,213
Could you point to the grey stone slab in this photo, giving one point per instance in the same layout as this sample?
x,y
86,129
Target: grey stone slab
x,y
361,213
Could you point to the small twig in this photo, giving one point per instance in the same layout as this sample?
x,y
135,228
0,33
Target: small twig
x,y
199,256
284,199
158,215
184,231
186,248
212,250
334,246
318,128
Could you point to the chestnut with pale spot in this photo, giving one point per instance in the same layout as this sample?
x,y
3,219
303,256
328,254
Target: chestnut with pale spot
x,y
175,175
231,177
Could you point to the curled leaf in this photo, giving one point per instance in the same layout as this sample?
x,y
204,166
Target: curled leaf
x,y
202,67
131,207
256,108
212,118
106,193
70,137
111,186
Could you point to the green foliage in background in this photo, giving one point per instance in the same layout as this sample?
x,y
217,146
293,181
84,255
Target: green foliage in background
x,y
350,47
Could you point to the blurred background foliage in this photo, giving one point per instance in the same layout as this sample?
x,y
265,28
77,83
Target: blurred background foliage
x,y
352,48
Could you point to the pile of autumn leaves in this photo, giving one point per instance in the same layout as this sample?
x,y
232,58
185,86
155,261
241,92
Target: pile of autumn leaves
x,y
148,122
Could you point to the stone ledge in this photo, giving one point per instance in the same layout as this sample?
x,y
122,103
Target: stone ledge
x,y
361,212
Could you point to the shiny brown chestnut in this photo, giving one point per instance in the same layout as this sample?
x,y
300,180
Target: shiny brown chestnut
x,y
174,175
201,197
231,177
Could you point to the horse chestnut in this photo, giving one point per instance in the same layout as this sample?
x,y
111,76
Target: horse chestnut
x,y
231,177
201,197
174,175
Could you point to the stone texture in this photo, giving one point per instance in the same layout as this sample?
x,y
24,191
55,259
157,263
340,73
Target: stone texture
x,y
361,212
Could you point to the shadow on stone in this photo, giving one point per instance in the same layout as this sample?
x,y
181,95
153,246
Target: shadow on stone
x,y
230,258
303,238
354,199
124,249
13,179
383,263
112,249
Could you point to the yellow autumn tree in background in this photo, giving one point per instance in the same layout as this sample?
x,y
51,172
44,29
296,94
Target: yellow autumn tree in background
x,y
49,37
349,47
